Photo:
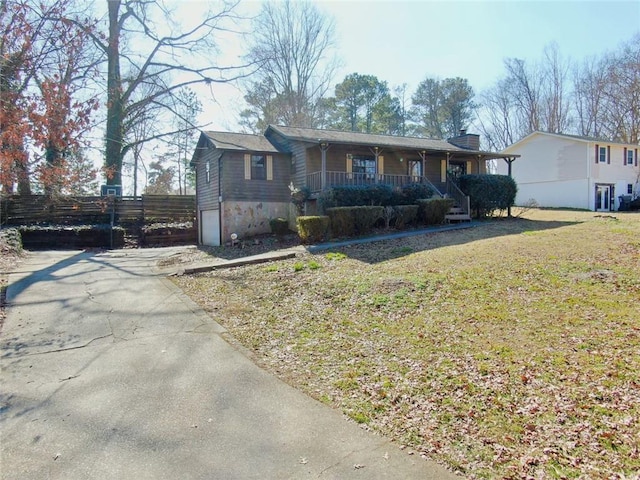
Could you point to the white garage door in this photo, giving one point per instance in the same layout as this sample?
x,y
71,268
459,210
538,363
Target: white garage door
x,y
210,227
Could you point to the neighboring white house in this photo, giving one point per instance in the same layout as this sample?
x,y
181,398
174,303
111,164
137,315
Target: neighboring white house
x,y
569,171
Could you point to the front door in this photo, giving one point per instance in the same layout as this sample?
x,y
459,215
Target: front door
x,y
603,198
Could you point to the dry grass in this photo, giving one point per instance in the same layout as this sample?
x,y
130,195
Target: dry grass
x,y
511,350
10,255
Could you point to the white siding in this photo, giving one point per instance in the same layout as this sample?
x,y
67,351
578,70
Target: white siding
x,y
558,171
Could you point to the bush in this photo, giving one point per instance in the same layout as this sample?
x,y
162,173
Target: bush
x,y
489,193
10,240
351,221
432,210
415,191
312,229
356,195
279,226
405,215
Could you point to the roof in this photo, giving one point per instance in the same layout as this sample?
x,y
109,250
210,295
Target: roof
x,y
578,138
313,135
240,141
336,136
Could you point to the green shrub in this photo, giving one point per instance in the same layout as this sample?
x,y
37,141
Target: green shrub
x,y
356,195
405,215
432,211
414,191
351,221
279,226
489,193
341,221
312,229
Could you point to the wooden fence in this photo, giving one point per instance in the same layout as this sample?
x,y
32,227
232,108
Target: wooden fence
x,y
144,210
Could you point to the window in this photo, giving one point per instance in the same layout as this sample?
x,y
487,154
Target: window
x,y
630,188
602,154
258,167
207,169
364,164
629,157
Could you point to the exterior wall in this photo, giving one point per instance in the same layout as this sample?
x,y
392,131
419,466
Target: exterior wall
x,y
236,188
561,194
207,191
250,218
563,172
298,156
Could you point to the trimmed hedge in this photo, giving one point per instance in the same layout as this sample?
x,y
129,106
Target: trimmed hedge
x,y
279,226
312,229
374,195
404,215
412,192
433,210
352,221
489,193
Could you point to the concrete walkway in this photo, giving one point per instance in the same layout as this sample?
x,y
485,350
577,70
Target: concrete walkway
x,y
110,372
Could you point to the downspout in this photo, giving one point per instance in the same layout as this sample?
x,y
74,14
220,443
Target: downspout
x,y
589,188
220,198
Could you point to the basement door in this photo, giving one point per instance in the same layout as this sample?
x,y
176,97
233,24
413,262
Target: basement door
x,y
603,198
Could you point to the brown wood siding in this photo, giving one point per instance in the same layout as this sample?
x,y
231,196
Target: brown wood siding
x,y
235,187
297,156
207,192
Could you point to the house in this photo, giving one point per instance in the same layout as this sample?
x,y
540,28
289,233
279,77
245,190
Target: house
x,y
557,170
242,180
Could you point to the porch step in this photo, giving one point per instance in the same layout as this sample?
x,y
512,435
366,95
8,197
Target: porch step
x,y
457,214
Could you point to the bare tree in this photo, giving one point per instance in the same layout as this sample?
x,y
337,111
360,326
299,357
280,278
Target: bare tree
x,y
141,53
555,102
589,80
496,116
622,93
293,43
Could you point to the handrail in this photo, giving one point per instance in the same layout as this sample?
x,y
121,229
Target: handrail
x,y
453,191
356,178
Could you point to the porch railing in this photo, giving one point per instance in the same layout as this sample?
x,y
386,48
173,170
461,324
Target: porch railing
x,y
454,192
314,180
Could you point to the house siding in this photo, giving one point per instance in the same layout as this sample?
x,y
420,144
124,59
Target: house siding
x,y
236,188
558,171
207,192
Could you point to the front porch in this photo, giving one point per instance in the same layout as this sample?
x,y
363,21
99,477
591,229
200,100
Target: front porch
x,y
319,181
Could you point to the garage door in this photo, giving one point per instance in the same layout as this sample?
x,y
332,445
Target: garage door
x,y
210,227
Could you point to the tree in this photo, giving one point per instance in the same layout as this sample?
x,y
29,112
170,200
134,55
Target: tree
x,y
292,49
44,63
185,112
160,179
142,56
442,107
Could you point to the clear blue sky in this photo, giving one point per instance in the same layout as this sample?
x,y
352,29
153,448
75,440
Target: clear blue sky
x,y
406,41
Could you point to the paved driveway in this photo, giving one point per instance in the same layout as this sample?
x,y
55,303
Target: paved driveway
x,y
110,372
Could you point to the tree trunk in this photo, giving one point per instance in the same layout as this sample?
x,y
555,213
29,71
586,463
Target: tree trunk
x,y
115,107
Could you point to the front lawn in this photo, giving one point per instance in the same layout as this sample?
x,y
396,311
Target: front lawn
x,y
509,350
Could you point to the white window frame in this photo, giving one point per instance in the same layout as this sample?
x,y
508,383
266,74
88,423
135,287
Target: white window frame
x,y
630,157
602,154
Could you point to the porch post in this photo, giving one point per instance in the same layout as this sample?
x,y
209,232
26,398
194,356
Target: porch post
x,y
509,161
423,157
324,146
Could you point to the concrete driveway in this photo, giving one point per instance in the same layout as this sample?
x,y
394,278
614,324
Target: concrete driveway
x,y
110,372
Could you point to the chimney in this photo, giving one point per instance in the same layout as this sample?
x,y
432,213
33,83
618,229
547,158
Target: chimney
x,y
468,141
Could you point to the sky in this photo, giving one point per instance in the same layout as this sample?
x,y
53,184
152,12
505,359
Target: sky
x,y
407,41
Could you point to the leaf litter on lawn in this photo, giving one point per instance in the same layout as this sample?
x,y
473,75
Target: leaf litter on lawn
x,y
510,350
